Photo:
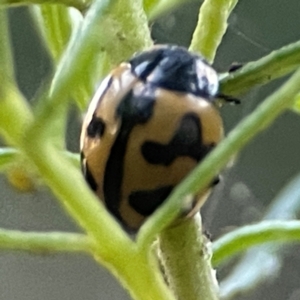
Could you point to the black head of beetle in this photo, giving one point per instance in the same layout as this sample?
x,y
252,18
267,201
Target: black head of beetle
x,y
175,68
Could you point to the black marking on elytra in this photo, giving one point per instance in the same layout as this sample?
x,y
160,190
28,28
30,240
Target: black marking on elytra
x,y
96,127
187,141
89,177
175,68
132,110
146,202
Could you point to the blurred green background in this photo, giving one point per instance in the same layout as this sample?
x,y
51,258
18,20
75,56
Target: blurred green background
x,y
248,186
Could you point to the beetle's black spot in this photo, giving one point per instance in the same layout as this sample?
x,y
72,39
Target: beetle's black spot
x,y
145,202
174,68
96,127
187,141
132,110
136,109
89,177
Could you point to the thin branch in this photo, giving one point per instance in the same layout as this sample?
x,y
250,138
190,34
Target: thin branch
x,y
13,104
186,257
252,235
55,24
93,38
45,242
211,26
274,65
74,158
81,5
8,156
6,61
157,8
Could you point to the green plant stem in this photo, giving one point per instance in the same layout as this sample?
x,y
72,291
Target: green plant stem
x,y
58,26
7,156
12,103
202,175
141,275
135,269
77,57
155,9
65,180
183,250
148,5
211,26
112,243
55,25
186,256
67,183
6,62
139,269
113,247
74,158
81,5
274,65
252,235
130,30
91,39
45,242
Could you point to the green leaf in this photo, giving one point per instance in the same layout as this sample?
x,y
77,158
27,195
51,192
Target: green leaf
x,y
56,23
81,5
211,26
274,65
6,62
155,8
45,242
85,49
248,236
12,103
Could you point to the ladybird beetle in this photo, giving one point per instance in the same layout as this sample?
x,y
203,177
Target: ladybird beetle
x,y
150,122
